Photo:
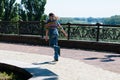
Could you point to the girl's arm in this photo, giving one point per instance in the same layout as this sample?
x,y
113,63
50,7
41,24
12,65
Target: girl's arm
x,y
46,37
63,31
46,32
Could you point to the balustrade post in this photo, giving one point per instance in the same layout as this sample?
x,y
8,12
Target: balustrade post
x,y
18,27
42,25
98,31
68,31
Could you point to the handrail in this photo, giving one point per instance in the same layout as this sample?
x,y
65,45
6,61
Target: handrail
x,y
97,24
93,31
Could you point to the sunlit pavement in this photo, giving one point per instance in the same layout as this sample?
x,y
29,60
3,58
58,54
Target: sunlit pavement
x,y
43,68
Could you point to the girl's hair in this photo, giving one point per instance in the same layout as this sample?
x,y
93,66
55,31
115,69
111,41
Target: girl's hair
x,y
55,17
51,14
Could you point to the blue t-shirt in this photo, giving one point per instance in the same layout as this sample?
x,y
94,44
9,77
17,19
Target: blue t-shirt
x,y
52,23
52,26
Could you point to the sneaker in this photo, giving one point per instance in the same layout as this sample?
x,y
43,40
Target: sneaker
x,y
55,59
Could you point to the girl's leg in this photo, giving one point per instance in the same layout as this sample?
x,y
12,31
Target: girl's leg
x,y
56,48
54,44
56,53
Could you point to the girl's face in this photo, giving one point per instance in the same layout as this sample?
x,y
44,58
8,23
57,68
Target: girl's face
x,y
52,17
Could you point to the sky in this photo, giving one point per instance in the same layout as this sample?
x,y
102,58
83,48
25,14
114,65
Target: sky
x,y
83,8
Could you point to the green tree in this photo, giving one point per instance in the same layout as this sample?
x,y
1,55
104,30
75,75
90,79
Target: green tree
x,y
8,7
44,17
112,20
34,9
22,13
15,15
66,20
1,8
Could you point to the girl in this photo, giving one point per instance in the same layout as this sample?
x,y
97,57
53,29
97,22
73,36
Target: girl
x,y
52,26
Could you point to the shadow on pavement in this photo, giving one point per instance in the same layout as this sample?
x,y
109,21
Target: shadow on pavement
x,y
47,62
39,72
112,56
92,58
107,58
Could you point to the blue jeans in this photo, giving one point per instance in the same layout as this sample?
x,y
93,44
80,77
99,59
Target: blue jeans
x,y
53,42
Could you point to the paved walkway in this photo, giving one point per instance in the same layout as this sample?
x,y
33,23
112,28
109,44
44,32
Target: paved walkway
x,y
104,60
83,65
43,68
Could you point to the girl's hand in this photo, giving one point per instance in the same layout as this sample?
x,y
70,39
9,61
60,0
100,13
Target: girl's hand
x,y
66,35
46,38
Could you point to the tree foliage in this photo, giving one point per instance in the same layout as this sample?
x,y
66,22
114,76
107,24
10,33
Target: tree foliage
x,y
8,9
15,15
34,9
1,8
112,20
27,10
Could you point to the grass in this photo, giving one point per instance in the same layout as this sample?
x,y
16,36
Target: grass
x,y
5,76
